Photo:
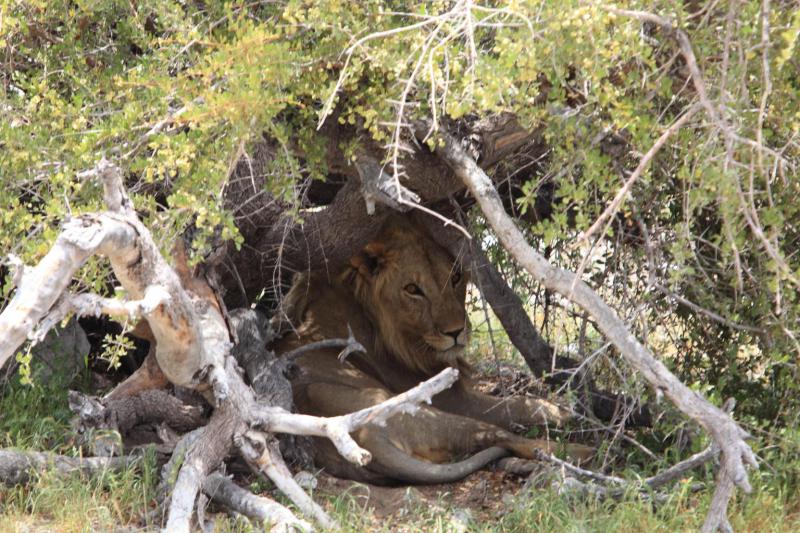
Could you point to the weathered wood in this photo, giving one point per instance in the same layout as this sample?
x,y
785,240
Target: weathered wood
x,y
726,434
191,340
17,467
151,406
224,491
337,429
148,376
264,456
192,349
40,287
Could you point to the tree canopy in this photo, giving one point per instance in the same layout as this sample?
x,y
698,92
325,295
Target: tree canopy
x,y
180,93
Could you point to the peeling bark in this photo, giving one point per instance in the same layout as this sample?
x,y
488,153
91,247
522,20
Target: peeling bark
x,y
192,349
153,406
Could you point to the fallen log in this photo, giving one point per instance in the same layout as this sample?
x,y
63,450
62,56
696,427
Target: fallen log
x,y
18,467
192,348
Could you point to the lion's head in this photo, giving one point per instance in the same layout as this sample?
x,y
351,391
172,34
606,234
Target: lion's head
x,y
414,292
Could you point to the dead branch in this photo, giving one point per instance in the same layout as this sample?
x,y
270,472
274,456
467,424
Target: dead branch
x,y
679,469
153,406
191,340
724,432
191,348
349,345
265,457
96,305
18,467
338,429
379,186
40,287
601,485
224,491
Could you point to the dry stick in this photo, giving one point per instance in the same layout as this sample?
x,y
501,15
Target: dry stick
x,y
18,467
678,469
524,466
192,338
349,345
596,476
265,457
605,217
96,305
338,428
723,430
719,120
670,474
378,186
224,491
181,504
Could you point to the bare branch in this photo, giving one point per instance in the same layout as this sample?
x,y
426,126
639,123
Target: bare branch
x,y
191,336
96,305
379,187
678,469
154,406
266,458
612,208
338,428
723,430
350,345
225,492
17,467
41,286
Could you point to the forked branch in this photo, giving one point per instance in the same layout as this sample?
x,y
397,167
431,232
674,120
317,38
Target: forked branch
x,y
726,434
192,348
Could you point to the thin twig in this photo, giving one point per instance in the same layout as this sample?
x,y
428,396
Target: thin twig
x,y
605,217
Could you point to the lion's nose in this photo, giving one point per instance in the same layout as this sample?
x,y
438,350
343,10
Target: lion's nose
x,y
454,333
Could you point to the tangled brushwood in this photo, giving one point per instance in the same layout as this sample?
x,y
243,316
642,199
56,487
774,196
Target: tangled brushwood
x,y
193,349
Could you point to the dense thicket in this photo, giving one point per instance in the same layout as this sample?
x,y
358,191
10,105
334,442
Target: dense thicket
x,y
237,118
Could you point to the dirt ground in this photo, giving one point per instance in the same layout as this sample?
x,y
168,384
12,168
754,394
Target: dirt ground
x,y
481,496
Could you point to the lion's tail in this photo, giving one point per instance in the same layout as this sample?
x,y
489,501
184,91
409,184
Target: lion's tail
x,y
393,462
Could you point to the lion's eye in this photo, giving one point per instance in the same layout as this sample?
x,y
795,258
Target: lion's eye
x,y
413,289
455,278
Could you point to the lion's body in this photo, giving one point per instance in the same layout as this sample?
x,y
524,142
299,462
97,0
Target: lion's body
x,y
403,298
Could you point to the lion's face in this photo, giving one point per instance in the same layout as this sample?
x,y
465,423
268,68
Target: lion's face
x,y
414,292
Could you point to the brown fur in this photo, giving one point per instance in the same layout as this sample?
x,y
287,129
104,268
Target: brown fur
x,y
403,296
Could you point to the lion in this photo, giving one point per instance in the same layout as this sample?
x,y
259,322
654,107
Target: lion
x,y
403,296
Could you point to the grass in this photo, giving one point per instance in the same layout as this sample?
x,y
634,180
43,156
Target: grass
x,y
37,418
544,510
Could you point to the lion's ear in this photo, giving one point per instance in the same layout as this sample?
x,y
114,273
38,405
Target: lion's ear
x,y
369,261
